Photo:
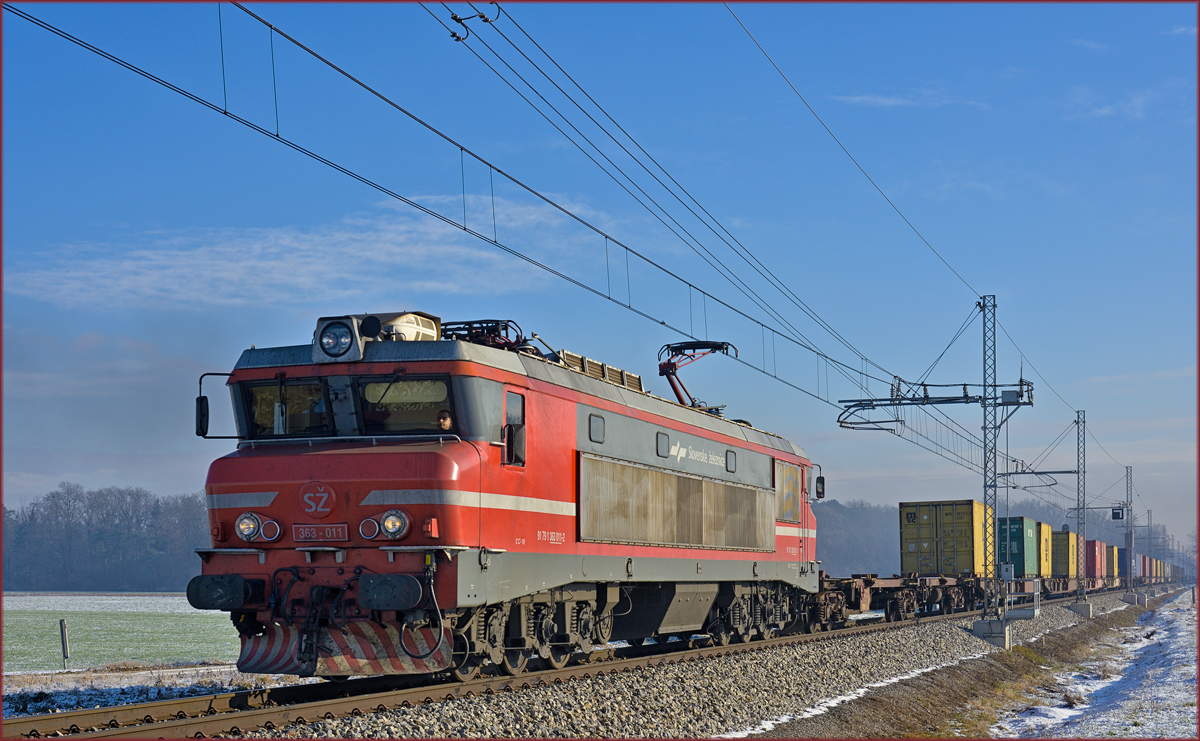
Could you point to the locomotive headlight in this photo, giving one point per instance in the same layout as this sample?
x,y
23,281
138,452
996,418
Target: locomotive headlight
x,y
394,523
248,526
336,339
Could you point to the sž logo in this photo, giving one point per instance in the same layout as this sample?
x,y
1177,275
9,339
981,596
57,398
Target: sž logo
x,y
317,499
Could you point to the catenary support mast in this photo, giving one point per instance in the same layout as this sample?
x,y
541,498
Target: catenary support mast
x,y
991,432
1081,505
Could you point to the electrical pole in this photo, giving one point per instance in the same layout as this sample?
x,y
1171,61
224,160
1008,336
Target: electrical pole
x,y
990,442
1128,528
1080,504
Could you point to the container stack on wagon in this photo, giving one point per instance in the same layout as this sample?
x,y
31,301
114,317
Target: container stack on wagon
x,y
943,559
1016,541
1064,555
943,537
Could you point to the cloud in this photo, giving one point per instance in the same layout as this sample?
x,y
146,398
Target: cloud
x,y
876,100
926,97
385,251
1085,102
1093,45
1181,31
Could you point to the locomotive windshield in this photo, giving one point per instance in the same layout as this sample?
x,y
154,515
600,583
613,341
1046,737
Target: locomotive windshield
x,y
293,408
321,407
393,405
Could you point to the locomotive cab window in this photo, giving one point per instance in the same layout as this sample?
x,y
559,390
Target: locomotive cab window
x,y
292,408
409,405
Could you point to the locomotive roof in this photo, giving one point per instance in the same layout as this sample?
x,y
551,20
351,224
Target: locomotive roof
x,y
530,366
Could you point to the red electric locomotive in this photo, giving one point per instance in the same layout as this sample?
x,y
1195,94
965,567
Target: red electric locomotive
x,y
410,497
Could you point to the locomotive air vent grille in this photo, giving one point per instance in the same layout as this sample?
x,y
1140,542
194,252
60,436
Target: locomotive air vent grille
x,y
601,371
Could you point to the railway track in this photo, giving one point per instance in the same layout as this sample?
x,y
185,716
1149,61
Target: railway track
x,y
235,713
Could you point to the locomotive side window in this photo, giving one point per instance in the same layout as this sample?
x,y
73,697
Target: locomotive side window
x,y
392,405
514,429
514,409
663,445
596,428
730,461
293,408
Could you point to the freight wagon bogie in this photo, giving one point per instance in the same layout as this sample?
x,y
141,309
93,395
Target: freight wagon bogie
x,y
400,503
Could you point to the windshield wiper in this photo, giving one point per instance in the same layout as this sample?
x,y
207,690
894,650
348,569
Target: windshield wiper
x,y
396,377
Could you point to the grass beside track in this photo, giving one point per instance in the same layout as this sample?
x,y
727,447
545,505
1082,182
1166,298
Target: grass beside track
x,y
32,643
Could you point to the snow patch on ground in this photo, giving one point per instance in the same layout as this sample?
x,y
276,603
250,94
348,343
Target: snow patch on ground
x,y
34,693
1143,686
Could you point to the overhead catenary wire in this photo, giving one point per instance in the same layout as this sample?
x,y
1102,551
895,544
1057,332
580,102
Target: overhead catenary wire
x,y
736,246
691,241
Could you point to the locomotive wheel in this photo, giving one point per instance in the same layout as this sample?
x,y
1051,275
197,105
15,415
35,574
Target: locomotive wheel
x,y
467,669
465,665
742,637
603,632
720,634
514,662
558,658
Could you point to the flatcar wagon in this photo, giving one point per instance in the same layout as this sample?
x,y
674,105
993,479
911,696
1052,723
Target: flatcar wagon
x,y
409,496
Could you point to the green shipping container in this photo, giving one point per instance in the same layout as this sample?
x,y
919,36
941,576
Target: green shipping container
x,y
1016,542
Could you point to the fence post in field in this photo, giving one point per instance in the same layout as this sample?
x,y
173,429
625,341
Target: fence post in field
x,y
66,647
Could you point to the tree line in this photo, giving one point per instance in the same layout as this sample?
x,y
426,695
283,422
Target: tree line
x,y
115,539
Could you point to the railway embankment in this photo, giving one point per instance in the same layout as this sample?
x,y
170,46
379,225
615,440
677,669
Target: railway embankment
x,y
808,689
1048,677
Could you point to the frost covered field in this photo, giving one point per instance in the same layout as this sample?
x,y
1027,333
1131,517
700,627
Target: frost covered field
x,y
1142,684
106,629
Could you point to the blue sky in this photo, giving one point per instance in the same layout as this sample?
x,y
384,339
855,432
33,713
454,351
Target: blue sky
x,y
1048,152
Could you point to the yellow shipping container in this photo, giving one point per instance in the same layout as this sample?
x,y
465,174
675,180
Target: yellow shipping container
x,y
1043,538
1064,555
1111,552
944,537
1044,532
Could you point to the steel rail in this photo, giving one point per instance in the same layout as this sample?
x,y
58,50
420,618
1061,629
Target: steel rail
x,y
235,713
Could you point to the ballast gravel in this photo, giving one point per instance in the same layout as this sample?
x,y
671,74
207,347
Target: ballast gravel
x,y
733,695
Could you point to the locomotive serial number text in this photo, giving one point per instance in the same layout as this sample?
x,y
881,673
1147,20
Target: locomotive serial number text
x,y
336,531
